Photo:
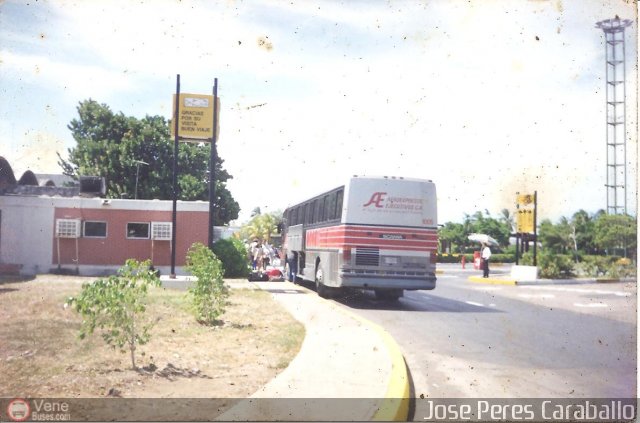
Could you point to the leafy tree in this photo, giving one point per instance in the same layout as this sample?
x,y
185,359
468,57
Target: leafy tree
x,y
108,144
485,224
454,233
615,231
584,226
209,293
556,238
116,305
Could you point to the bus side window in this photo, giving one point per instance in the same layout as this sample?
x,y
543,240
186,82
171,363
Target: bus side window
x,y
339,196
330,207
308,213
321,202
294,216
316,210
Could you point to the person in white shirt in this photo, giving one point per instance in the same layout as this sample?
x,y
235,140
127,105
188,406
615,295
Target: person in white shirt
x,y
486,255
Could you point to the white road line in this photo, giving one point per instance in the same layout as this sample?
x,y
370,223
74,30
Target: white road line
x,y
487,288
536,295
591,305
474,303
578,290
492,305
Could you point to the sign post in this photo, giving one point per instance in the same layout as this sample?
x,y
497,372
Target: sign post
x,y
176,138
195,119
212,162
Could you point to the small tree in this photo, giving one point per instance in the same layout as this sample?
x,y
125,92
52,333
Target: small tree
x,y
116,305
209,293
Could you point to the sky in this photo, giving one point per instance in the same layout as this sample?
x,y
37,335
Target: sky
x,y
485,98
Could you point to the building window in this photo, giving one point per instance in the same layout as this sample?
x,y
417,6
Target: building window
x,y
94,229
138,230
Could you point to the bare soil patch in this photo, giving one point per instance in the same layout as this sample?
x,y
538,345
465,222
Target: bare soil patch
x,y
42,356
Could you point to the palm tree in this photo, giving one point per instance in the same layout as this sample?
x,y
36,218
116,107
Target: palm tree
x,y
260,227
507,218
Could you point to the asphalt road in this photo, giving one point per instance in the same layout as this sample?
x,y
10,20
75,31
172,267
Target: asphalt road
x,y
465,339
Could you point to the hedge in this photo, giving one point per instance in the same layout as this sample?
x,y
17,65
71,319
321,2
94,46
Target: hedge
x,y
456,258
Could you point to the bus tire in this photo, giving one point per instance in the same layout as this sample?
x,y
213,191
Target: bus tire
x,y
321,288
388,294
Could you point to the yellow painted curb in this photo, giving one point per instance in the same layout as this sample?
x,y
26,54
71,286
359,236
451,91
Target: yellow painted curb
x,y
492,281
607,280
395,405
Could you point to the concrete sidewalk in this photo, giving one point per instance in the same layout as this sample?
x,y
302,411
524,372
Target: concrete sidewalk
x,y
500,274
347,369
508,280
341,357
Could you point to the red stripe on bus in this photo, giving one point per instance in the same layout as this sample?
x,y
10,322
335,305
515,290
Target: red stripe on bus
x,y
372,244
350,235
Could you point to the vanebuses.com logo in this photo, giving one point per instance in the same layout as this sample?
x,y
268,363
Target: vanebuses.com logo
x,y
18,410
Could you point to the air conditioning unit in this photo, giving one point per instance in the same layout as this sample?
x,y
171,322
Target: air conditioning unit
x,y
92,186
68,228
161,231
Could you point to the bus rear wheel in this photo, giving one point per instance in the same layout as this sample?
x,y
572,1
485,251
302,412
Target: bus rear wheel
x,y
388,294
321,288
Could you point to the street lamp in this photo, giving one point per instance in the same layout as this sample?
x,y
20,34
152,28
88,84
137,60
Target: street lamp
x,y
138,163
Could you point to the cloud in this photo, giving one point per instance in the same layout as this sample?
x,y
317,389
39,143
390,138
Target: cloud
x,y
76,80
439,90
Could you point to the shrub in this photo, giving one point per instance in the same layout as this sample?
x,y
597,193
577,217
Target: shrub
x,y
209,293
503,258
233,255
555,266
594,266
116,305
622,268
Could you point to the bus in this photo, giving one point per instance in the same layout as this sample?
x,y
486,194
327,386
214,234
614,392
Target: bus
x,y
373,233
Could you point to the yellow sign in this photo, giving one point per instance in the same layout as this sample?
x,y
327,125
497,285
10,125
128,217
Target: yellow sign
x,y
196,116
525,221
525,199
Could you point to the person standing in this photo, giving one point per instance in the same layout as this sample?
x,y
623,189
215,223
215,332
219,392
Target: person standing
x,y
486,255
292,260
253,252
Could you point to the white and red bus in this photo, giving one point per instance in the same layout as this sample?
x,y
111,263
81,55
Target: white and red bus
x,y
376,233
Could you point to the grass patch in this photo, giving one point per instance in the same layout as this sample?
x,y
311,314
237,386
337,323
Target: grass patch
x,y
41,355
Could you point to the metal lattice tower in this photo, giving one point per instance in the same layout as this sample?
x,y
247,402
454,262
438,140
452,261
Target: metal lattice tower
x,y
616,113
